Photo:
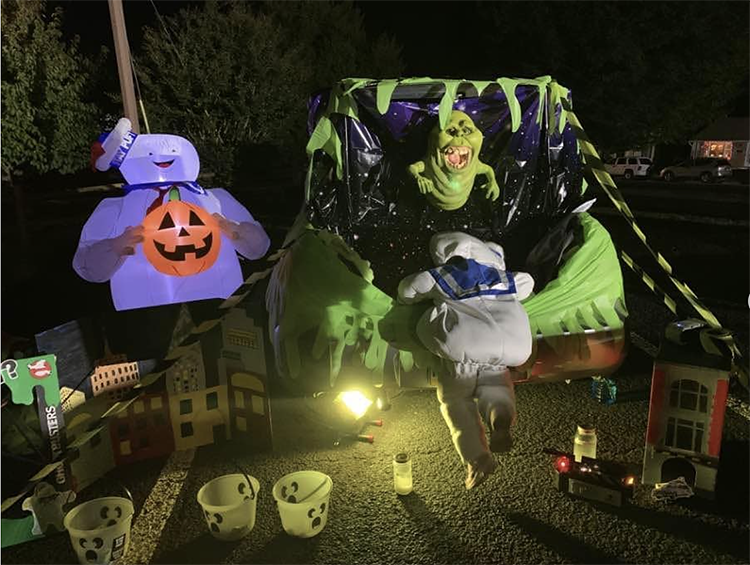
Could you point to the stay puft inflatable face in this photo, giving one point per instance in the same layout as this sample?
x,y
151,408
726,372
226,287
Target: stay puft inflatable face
x,y
477,315
148,158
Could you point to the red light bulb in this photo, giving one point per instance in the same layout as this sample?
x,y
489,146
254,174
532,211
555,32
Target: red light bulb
x,y
562,464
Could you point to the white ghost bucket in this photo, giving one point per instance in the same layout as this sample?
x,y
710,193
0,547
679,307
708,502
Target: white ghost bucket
x,y
303,499
229,503
100,529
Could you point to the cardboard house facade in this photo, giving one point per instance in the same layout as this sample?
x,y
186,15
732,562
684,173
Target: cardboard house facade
x,y
143,430
114,377
95,457
686,419
71,398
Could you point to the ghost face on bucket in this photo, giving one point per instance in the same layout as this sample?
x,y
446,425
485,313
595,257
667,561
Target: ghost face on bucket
x,y
160,158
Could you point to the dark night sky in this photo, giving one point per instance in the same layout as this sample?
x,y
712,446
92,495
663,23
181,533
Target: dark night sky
x,y
414,24
439,38
89,19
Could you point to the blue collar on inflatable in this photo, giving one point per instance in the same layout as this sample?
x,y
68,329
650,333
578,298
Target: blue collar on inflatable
x,y
190,185
461,278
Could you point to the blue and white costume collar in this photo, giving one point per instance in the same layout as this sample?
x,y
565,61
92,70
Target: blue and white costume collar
x,y
189,185
463,278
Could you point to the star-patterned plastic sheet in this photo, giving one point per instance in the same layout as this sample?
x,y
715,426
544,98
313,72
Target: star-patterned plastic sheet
x,y
377,207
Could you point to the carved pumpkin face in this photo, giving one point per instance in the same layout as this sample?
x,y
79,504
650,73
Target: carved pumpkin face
x,y
180,238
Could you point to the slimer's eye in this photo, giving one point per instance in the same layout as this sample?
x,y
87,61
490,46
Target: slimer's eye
x,y
195,220
467,131
167,222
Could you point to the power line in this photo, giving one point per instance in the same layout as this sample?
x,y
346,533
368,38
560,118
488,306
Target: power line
x,y
167,33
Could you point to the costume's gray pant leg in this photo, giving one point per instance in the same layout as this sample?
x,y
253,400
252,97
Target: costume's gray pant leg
x,y
459,410
495,397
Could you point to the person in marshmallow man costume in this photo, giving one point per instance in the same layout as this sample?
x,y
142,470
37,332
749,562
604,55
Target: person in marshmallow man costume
x,y
478,328
153,166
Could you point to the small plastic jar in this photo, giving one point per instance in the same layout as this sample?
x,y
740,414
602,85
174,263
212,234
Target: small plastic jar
x,y
402,481
584,442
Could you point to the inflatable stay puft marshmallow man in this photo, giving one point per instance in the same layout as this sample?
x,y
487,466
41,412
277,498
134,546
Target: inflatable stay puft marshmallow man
x,y
168,240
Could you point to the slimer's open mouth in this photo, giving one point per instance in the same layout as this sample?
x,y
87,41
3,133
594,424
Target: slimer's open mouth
x,y
457,157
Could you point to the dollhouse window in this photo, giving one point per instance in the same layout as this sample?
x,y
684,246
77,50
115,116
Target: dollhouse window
x,y
241,424
684,434
212,400
239,399
186,406
186,429
687,394
257,403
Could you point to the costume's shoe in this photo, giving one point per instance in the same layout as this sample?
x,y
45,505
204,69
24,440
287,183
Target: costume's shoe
x,y
478,471
501,441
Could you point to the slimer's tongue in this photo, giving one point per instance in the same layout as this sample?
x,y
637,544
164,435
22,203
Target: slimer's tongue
x,y
454,158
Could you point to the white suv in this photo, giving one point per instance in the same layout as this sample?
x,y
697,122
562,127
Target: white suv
x,y
630,167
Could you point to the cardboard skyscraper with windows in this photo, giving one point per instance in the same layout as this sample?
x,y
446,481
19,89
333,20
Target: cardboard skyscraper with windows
x,y
215,390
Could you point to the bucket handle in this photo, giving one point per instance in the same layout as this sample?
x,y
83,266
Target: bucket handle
x,y
316,489
127,492
249,482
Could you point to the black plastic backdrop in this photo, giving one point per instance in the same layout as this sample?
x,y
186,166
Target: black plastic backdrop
x,y
377,207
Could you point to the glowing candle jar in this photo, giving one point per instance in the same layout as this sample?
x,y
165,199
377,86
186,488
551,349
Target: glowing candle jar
x,y
584,443
402,482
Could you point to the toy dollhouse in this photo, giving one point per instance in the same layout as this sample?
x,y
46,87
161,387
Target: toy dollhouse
x,y
686,416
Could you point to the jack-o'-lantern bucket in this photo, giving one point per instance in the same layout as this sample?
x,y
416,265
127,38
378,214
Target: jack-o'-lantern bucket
x,y
100,529
229,503
180,238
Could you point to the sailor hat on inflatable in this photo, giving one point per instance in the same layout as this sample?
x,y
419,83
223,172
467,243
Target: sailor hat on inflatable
x,y
111,148
147,160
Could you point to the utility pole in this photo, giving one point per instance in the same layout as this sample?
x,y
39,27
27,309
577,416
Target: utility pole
x,y
122,50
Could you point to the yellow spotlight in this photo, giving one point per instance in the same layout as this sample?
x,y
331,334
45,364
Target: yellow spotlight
x,y
629,481
356,402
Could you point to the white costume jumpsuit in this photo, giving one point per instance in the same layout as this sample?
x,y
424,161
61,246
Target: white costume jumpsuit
x,y
479,328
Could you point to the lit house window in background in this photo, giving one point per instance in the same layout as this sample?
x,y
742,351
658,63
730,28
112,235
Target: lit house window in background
x,y
719,149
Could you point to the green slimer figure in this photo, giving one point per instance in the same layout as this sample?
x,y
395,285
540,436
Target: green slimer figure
x,y
446,175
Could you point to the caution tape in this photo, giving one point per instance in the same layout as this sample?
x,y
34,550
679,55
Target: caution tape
x,y
669,302
592,160
143,387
